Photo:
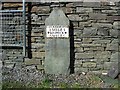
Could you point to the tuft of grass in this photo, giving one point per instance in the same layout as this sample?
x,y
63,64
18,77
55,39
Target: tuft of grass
x,y
63,85
13,84
76,85
116,85
94,81
46,83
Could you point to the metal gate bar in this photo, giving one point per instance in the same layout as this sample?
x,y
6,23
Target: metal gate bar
x,y
13,28
24,28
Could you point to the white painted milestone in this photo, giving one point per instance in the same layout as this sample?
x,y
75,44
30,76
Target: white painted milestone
x,y
57,31
57,43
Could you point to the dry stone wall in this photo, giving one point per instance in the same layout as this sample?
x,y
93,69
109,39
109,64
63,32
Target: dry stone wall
x,y
95,28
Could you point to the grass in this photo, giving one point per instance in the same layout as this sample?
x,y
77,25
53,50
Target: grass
x,y
46,83
14,84
93,81
76,85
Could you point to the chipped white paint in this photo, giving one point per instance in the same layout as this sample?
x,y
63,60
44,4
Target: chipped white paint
x,y
57,31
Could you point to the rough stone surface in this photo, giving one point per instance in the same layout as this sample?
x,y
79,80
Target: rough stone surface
x,y
84,55
85,23
89,64
116,25
91,4
103,32
113,47
43,9
114,71
108,65
103,54
84,10
89,31
32,62
97,16
74,17
38,54
95,27
115,57
114,32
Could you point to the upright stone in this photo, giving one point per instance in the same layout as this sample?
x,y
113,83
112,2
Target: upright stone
x,y
57,53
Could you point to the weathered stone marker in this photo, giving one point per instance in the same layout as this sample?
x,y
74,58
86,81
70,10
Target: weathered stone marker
x,y
57,53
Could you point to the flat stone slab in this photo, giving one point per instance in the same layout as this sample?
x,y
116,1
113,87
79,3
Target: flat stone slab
x,y
114,71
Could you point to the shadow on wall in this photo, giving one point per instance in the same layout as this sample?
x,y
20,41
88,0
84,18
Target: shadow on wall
x,y
29,31
72,54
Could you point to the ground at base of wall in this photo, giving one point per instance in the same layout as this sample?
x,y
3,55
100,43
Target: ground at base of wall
x,y
23,78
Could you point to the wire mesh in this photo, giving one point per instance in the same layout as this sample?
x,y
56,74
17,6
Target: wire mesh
x,y
12,28
13,25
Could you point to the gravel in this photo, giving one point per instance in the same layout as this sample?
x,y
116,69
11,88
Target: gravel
x,y
35,78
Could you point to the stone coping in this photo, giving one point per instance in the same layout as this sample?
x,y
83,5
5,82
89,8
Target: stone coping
x,y
61,0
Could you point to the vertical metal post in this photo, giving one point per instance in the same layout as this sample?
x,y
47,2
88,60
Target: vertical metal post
x,y
24,29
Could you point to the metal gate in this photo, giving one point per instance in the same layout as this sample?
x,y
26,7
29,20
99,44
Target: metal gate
x,y
13,28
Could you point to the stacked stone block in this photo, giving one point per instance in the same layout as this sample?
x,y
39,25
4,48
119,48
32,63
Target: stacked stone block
x,y
95,32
